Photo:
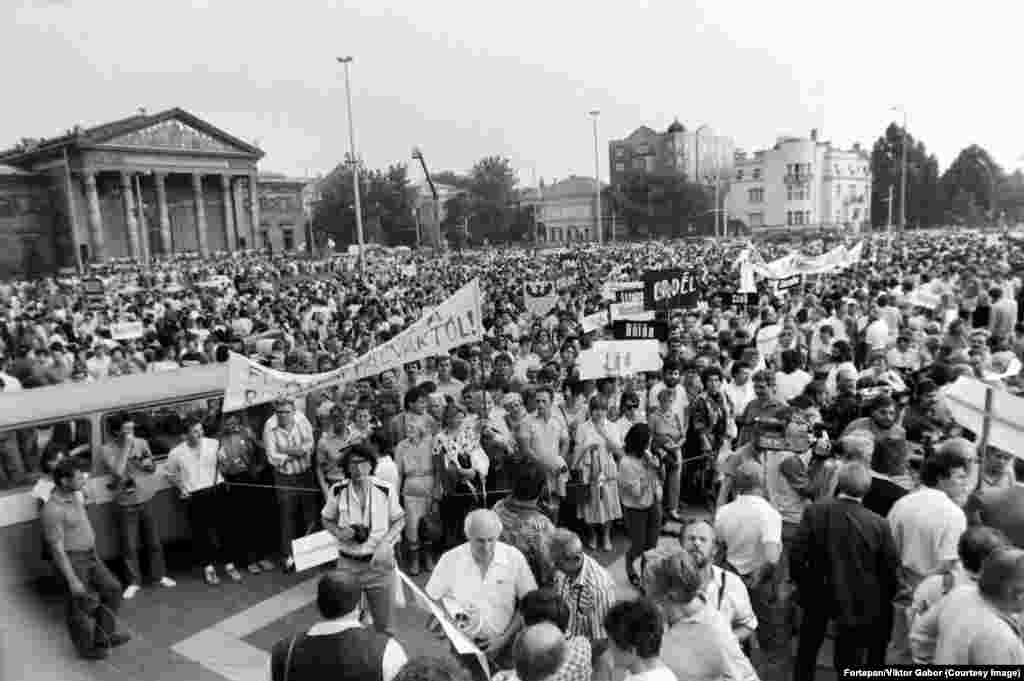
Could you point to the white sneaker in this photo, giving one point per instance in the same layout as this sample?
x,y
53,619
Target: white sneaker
x,y
168,583
130,592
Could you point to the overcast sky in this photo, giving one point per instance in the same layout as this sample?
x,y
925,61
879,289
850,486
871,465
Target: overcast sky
x,y
468,79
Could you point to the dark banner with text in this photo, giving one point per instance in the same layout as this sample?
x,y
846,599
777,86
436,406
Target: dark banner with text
x,y
665,289
626,330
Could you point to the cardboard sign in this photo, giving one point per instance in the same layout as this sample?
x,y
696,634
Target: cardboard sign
x,y
539,297
611,290
95,292
631,312
619,358
593,322
627,330
789,282
670,289
126,331
740,299
634,296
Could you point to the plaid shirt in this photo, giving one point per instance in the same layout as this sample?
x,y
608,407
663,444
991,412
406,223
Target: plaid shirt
x,y
589,597
276,438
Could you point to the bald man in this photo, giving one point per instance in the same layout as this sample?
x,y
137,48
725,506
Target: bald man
x,y
542,652
488,576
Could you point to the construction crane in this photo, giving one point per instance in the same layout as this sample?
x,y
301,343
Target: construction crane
x,y
435,231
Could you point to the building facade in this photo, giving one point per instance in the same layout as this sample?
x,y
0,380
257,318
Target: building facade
x,y
802,183
145,186
696,155
565,211
285,212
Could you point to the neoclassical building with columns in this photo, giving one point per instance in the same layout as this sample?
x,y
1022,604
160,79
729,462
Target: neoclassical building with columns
x,y
141,187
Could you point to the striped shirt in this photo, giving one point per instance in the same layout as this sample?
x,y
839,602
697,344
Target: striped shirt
x,y
276,438
589,596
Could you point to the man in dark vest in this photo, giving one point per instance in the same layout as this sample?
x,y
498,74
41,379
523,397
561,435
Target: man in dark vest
x,y
338,648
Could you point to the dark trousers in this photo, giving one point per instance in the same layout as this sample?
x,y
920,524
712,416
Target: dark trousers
x,y
206,521
91,617
454,509
643,526
249,512
297,509
854,646
135,523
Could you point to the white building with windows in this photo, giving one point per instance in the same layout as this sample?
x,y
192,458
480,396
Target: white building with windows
x,y
565,211
801,183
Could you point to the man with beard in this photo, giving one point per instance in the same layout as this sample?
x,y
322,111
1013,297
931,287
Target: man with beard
x,y
723,590
881,423
671,373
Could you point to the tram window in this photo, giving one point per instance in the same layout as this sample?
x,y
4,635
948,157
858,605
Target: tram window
x,y
22,451
163,427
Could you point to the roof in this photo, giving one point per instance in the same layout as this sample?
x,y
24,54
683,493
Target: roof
x,y
53,403
641,133
676,127
572,186
23,154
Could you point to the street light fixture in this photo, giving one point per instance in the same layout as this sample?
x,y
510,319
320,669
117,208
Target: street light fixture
x,y
597,177
345,61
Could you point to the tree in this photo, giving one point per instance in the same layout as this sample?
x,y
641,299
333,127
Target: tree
x,y
1011,196
661,205
924,200
970,185
387,202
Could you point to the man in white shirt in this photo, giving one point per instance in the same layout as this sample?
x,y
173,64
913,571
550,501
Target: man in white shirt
x,y
192,469
751,529
877,332
288,440
364,515
741,389
486,576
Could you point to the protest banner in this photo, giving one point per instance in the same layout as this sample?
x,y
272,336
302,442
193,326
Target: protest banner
x,y
631,312
789,282
768,339
740,299
993,414
539,297
126,331
618,358
455,322
627,330
595,321
610,291
665,289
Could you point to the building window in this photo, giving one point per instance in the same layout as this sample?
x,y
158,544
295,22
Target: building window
x,y
643,149
807,217
755,195
755,219
620,167
839,190
620,152
739,175
289,239
638,164
796,194
756,173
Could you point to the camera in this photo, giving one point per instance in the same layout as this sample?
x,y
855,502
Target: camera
x,y
465,461
360,533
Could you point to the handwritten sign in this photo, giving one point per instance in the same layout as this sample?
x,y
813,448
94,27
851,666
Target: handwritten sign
x,y
631,312
628,330
740,299
595,321
126,331
789,282
670,288
619,358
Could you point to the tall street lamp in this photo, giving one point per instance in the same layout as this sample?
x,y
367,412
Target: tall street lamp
x,y
903,169
597,177
345,61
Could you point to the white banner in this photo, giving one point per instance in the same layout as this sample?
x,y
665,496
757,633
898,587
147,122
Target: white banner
x,y
455,322
126,331
619,358
593,322
966,399
629,312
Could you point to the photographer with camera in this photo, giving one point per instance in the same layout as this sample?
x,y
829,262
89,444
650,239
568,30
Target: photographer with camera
x,y
364,515
129,462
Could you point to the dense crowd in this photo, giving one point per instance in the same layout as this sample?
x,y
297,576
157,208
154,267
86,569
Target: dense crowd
x,y
842,493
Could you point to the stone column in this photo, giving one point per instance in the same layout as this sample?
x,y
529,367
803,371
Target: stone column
x,y
254,211
99,250
238,205
201,228
163,214
229,216
128,197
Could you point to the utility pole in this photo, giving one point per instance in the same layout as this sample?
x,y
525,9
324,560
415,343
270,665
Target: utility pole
x,y
345,61
888,226
597,178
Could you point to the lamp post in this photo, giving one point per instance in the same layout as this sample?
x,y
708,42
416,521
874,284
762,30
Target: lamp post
x,y
345,61
903,169
597,178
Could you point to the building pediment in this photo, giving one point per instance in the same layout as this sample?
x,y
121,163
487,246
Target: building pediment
x,y
641,134
176,130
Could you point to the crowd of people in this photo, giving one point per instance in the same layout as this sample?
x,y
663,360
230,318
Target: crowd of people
x,y
838,494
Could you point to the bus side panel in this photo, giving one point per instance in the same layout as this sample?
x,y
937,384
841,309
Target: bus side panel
x,y
21,544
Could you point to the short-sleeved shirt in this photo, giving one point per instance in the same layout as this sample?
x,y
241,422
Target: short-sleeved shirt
x,y
344,508
747,525
926,525
495,592
66,521
726,593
